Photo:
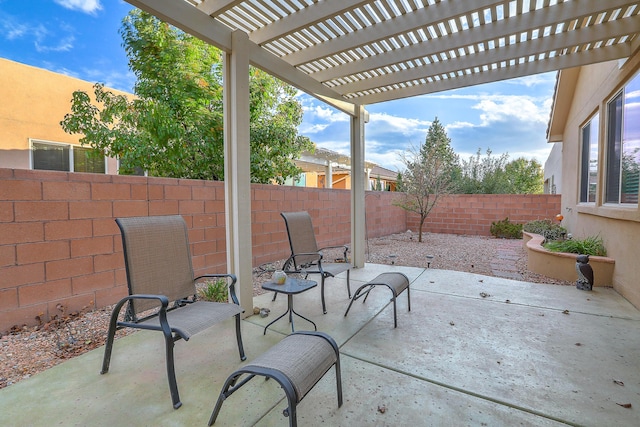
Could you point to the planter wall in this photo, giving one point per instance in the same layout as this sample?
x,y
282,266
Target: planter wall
x,y
562,265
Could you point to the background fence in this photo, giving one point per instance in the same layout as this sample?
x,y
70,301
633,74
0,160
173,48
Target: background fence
x,y
60,246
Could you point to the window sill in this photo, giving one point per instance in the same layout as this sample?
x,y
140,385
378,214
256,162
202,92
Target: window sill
x,y
624,213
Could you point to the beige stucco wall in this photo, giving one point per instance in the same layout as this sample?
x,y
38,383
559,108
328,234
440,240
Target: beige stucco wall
x,y
618,227
34,101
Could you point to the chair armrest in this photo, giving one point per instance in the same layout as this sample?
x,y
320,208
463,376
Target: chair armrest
x,y
162,313
345,247
291,261
232,288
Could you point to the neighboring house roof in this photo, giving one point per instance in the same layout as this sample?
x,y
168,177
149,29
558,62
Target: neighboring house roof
x,y
387,174
318,160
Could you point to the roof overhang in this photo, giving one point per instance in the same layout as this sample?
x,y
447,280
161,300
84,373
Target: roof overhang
x,y
566,81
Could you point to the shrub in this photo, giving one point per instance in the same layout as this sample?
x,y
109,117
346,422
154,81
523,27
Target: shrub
x,y
546,228
505,229
590,246
214,290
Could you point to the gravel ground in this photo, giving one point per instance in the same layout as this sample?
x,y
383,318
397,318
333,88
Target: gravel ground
x,y
29,350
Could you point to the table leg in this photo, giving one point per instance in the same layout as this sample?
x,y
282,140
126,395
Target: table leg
x,y
290,311
274,321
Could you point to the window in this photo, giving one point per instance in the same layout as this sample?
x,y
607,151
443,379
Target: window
x,y
623,145
65,157
589,164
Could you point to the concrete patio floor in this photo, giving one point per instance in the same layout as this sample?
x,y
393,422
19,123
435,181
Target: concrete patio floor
x,y
474,350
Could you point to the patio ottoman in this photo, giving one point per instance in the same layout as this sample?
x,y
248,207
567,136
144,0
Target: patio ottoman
x,y
396,282
297,363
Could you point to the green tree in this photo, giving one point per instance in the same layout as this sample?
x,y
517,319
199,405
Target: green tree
x,y
524,177
174,125
482,175
498,175
429,173
378,184
399,183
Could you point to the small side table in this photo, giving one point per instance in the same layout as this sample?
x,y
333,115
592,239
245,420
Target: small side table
x,y
291,287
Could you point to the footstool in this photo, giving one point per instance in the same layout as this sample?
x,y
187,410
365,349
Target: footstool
x,y
395,281
297,363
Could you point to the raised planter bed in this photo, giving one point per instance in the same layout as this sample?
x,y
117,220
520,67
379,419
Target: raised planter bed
x,y
562,265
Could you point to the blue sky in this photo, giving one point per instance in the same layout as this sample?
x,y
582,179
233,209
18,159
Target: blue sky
x,y
80,38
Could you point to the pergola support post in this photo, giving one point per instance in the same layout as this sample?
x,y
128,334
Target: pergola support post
x,y
328,181
357,188
237,168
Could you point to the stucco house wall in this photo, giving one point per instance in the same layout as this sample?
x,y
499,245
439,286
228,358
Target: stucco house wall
x,y
34,101
590,88
553,171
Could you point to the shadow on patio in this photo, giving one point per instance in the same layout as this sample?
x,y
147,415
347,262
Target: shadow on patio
x,y
474,350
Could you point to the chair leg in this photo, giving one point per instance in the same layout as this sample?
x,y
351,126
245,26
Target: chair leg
x,y
113,323
338,380
171,372
348,285
324,307
395,315
239,338
408,298
359,294
224,393
291,412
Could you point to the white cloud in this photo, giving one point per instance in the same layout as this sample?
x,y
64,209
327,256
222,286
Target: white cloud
x,y
309,128
42,37
320,112
402,125
458,125
112,79
390,159
533,80
90,7
502,108
342,147
63,45
13,30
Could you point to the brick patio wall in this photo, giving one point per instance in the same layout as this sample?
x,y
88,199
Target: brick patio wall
x,y
472,214
60,248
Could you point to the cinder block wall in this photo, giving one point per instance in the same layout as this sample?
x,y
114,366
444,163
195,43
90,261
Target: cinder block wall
x,y
60,246
472,214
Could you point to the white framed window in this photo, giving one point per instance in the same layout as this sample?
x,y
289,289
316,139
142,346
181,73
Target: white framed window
x,y
622,173
589,160
47,155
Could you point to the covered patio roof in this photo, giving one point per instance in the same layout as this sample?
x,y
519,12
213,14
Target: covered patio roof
x,y
365,52
351,53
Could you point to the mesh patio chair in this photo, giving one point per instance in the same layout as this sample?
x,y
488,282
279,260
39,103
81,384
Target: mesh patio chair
x,y
162,291
306,257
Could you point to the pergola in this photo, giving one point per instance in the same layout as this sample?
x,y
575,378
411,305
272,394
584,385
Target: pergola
x,y
350,53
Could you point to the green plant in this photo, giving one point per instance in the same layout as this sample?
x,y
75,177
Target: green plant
x,y
214,290
546,228
506,229
592,245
